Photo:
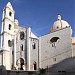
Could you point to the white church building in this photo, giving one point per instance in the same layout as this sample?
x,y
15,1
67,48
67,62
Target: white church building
x,y
23,50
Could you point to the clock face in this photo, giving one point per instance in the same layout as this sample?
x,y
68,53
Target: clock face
x,y
22,35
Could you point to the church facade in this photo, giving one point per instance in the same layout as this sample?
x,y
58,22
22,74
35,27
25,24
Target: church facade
x,y
23,50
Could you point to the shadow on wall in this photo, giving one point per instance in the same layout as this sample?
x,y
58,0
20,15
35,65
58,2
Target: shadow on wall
x,y
2,67
66,65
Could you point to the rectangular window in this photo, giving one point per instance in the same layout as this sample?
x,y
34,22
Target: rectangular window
x,y
54,59
53,44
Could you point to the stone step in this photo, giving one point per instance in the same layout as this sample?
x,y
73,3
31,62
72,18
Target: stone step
x,y
14,72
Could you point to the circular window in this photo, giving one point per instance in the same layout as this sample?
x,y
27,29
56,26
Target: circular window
x,y
22,35
57,27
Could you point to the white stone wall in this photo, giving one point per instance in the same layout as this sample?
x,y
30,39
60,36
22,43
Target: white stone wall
x,y
19,42
8,9
6,26
7,35
52,55
28,48
7,60
73,49
0,58
34,56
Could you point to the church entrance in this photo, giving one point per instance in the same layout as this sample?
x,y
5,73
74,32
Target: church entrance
x,y
20,64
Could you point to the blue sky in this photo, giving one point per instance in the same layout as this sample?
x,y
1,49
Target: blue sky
x,y
41,14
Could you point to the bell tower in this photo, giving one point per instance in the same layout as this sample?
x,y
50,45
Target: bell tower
x,y
7,35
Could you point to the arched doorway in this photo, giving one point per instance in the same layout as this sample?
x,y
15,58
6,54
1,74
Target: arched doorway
x,y
20,64
35,66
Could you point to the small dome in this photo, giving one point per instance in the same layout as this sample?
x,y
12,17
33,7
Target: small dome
x,y
59,24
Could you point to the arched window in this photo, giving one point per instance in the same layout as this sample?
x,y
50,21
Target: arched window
x,y
34,46
53,41
21,47
20,63
10,14
35,65
9,43
22,35
9,26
